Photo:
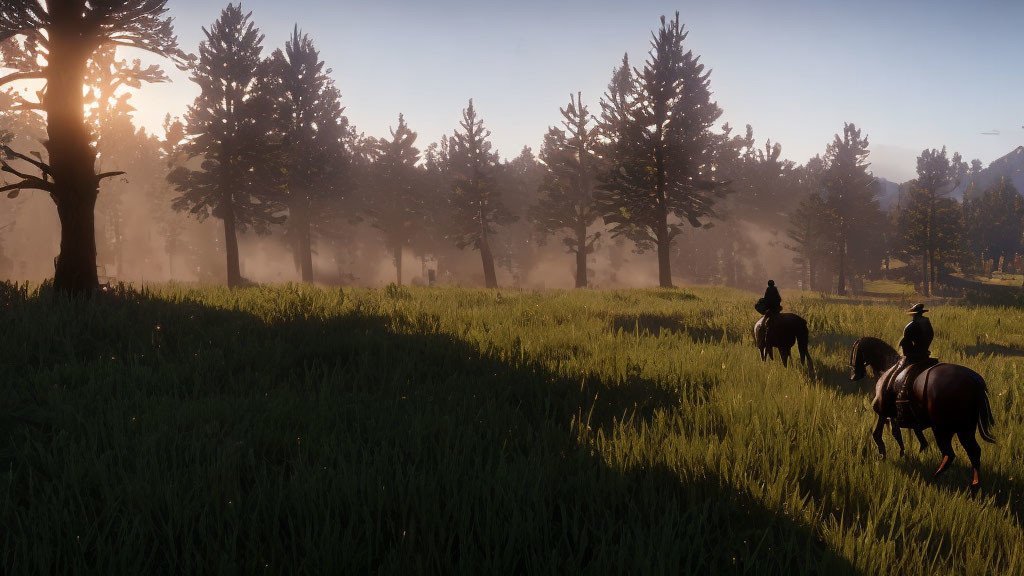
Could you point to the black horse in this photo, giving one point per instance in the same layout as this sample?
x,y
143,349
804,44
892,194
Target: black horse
x,y
950,399
787,329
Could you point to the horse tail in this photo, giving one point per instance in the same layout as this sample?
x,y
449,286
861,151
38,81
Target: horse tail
x,y
801,342
985,419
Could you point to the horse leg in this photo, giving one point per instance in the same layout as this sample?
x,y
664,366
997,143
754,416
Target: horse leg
x,y
784,354
970,444
764,354
877,435
921,439
897,434
944,440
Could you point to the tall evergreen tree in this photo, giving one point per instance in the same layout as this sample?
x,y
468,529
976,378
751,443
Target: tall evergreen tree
x,y
922,226
811,225
227,127
476,206
520,243
312,131
54,41
851,195
994,221
567,202
661,149
395,202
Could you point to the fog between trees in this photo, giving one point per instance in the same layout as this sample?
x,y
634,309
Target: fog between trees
x,y
265,180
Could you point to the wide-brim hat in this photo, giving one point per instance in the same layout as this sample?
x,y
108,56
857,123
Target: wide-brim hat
x,y
916,309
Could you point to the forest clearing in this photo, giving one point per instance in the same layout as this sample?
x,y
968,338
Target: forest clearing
x,y
293,429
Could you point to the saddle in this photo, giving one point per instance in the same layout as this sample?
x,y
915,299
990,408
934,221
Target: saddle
x,y
899,389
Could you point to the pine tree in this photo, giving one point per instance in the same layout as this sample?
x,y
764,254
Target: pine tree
x,y
994,222
227,128
661,149
567,202
476,206
920,223
54,41
312,133
811,224
851,195
395,203
519,181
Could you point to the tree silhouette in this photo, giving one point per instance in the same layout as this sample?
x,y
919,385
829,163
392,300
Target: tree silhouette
x,y
994,220
567,203
926,227
475,203
661,149
227,127
53,41
394,203
312,133
851,196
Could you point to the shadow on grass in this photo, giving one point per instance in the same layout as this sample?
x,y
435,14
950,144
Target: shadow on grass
x,y
178,437
990,349
995,484
654,324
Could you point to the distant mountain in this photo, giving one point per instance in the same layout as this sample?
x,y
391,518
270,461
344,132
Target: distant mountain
x,y
1010,167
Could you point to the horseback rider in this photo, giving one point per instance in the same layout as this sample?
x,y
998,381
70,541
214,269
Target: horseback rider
x,y
917,337
772,299
769,306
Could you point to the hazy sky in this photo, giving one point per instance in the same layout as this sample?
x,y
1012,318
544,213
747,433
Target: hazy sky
x,y
911,74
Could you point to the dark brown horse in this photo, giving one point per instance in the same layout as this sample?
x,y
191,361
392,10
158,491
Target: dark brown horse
x,y
949,398
787,329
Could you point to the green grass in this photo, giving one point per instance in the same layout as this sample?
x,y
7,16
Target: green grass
x,y
305,430
890,288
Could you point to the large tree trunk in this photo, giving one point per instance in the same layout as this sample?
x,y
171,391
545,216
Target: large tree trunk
x,y
231,243
581,257
490,278
72,157
664,251
398,264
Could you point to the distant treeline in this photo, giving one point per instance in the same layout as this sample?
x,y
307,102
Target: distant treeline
x,y
266,150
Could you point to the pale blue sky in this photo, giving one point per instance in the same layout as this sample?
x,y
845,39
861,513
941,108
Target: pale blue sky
x,y
911,74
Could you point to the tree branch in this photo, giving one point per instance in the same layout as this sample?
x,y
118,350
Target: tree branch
x,y
16,76
108,175
34,184
42,166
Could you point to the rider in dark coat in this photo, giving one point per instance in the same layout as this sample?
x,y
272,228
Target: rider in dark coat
x,y
770,305
772,298
917,335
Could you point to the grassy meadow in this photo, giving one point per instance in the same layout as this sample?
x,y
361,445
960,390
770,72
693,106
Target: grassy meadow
x,y
183,430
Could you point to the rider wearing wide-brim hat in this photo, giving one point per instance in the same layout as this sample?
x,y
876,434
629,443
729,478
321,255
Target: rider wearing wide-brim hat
x,y
917,335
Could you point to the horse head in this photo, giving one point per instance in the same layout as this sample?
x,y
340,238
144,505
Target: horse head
x,y
857,363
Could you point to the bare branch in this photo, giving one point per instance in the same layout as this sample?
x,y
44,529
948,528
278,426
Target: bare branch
x,y
16,76
108,175
42,166
26,185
